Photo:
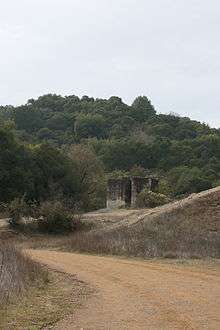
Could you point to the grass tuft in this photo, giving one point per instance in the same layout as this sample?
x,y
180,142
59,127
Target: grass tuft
x,y
17,273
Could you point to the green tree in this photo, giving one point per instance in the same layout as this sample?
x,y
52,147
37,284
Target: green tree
x,y
13,167
88,126
186,180
142,109
90,175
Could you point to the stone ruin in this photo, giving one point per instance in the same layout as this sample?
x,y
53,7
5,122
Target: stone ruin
x,y
123,192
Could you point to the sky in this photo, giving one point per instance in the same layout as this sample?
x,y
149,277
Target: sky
x,y
168,50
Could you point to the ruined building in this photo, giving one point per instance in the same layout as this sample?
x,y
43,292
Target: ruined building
x,y
123,192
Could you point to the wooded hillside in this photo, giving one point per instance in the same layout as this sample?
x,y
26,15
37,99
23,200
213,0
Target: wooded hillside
x,y
134,139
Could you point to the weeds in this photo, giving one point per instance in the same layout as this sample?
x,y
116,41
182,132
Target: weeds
x,y
189,231
148,242
17,273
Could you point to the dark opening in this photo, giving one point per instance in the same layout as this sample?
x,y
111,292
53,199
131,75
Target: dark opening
x,y
128,193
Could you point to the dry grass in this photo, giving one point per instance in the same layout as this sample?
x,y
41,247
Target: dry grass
x,y
189,228
31,297
147,242
17,273
186,229
45,305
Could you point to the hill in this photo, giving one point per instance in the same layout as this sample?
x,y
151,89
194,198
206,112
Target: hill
x,y
132,139
185,228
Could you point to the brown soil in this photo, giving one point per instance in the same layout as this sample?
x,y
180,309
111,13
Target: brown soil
x,y
134,294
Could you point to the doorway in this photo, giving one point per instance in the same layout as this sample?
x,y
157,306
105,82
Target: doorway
x,y
128,193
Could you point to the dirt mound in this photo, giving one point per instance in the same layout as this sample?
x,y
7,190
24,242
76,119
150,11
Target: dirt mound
x,y
201,210
185,228
108,219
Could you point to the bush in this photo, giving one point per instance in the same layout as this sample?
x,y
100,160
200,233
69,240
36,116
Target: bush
x,y
148,198
186,180
18,209
49,216
164,187
55,217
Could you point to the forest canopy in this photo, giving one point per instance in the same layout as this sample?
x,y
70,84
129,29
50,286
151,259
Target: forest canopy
x,y
45,142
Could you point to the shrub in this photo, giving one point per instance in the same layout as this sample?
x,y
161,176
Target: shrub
x,y
49,216
164,187
184,180
18,209
55,217
148,198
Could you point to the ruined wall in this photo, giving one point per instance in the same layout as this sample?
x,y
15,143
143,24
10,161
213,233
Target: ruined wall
x,y
117,193
137,185
123,192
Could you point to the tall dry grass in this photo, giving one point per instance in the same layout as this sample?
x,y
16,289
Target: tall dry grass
x,y
17,273
175,234
147,244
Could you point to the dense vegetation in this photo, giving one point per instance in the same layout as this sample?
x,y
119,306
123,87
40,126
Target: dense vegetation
x,y
61,146
42,172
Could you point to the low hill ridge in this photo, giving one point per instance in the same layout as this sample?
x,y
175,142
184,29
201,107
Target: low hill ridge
x,y
186,228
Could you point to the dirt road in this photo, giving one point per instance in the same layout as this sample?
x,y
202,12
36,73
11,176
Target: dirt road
x,y
133,294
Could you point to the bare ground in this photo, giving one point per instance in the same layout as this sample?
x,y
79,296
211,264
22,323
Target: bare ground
x,y
135,294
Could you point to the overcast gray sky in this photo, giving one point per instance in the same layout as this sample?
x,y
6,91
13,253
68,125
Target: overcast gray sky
x,y
168,50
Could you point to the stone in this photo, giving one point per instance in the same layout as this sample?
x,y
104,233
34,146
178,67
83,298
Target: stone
x,y
123,192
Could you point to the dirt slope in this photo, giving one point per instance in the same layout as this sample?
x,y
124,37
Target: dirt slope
x,y
185,228
141,294
203,207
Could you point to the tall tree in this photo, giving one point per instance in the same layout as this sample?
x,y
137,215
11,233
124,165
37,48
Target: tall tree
x,y
142,108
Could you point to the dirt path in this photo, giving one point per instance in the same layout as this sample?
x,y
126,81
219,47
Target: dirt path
x,y
131,294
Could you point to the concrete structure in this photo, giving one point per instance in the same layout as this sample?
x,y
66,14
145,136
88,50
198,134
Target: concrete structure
x,y
123,192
